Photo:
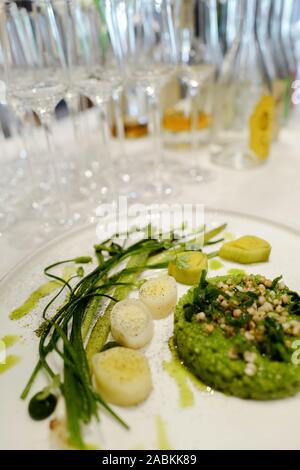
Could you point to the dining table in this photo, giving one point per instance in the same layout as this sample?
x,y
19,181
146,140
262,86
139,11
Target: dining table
x,y
270,191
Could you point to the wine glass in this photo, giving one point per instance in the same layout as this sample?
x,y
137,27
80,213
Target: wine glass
x,y
16,171
36,80
3,209
143,37
93,73
228,22
199,56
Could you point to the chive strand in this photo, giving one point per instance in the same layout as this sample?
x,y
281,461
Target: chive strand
x,y
213,233
72,410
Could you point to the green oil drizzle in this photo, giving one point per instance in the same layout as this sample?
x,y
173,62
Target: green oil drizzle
x,y
10,340
228,236
200,385
87,446
92,447
234,272
215,264
177,372
43,291
163,442
11,361
182,376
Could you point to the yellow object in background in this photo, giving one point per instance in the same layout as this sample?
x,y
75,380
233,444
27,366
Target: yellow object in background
x,y
133,128
176,120
261,127
246,250
187,267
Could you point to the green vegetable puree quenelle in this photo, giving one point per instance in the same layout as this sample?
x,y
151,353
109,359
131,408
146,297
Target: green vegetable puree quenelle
x,y
237,333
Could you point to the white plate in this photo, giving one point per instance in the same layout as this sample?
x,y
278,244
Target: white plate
x,y
213,422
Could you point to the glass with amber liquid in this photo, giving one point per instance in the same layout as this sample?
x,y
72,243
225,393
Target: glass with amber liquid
x,y
187,102
134,113
187,110
244,111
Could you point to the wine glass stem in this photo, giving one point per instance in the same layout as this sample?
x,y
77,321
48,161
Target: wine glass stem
x,y
120,133
157,138
63,210
24,133
105,130
73,105
81,161
193,92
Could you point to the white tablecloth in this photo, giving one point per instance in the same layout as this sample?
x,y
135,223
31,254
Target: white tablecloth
x,y
271,191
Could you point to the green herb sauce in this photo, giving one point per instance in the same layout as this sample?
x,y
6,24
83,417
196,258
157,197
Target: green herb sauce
x,y
228,236
10,340
236,272
215,264
11,361
162,439
182,376
92,447
43,291
177,372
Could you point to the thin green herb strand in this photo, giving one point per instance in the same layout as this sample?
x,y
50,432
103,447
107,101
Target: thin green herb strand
x,y
28,386
72,410
213,233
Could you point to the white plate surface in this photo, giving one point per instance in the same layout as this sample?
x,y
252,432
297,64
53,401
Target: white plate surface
x,y
213,422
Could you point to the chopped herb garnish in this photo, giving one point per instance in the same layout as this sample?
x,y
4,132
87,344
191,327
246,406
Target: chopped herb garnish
x,y
275,282
204,299
294,305
273,345
238,322
247,307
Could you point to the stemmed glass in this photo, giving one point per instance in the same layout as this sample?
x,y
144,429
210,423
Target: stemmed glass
x,y
6,215
143,37
228,19
197,63
92,72
16,175
3,210
36,80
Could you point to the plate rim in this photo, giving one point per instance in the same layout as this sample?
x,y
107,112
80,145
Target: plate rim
x,y
89,226
48,244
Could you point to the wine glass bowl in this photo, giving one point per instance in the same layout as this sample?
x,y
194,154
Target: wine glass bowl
x,y
187,121
35,69
143,37
93,73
